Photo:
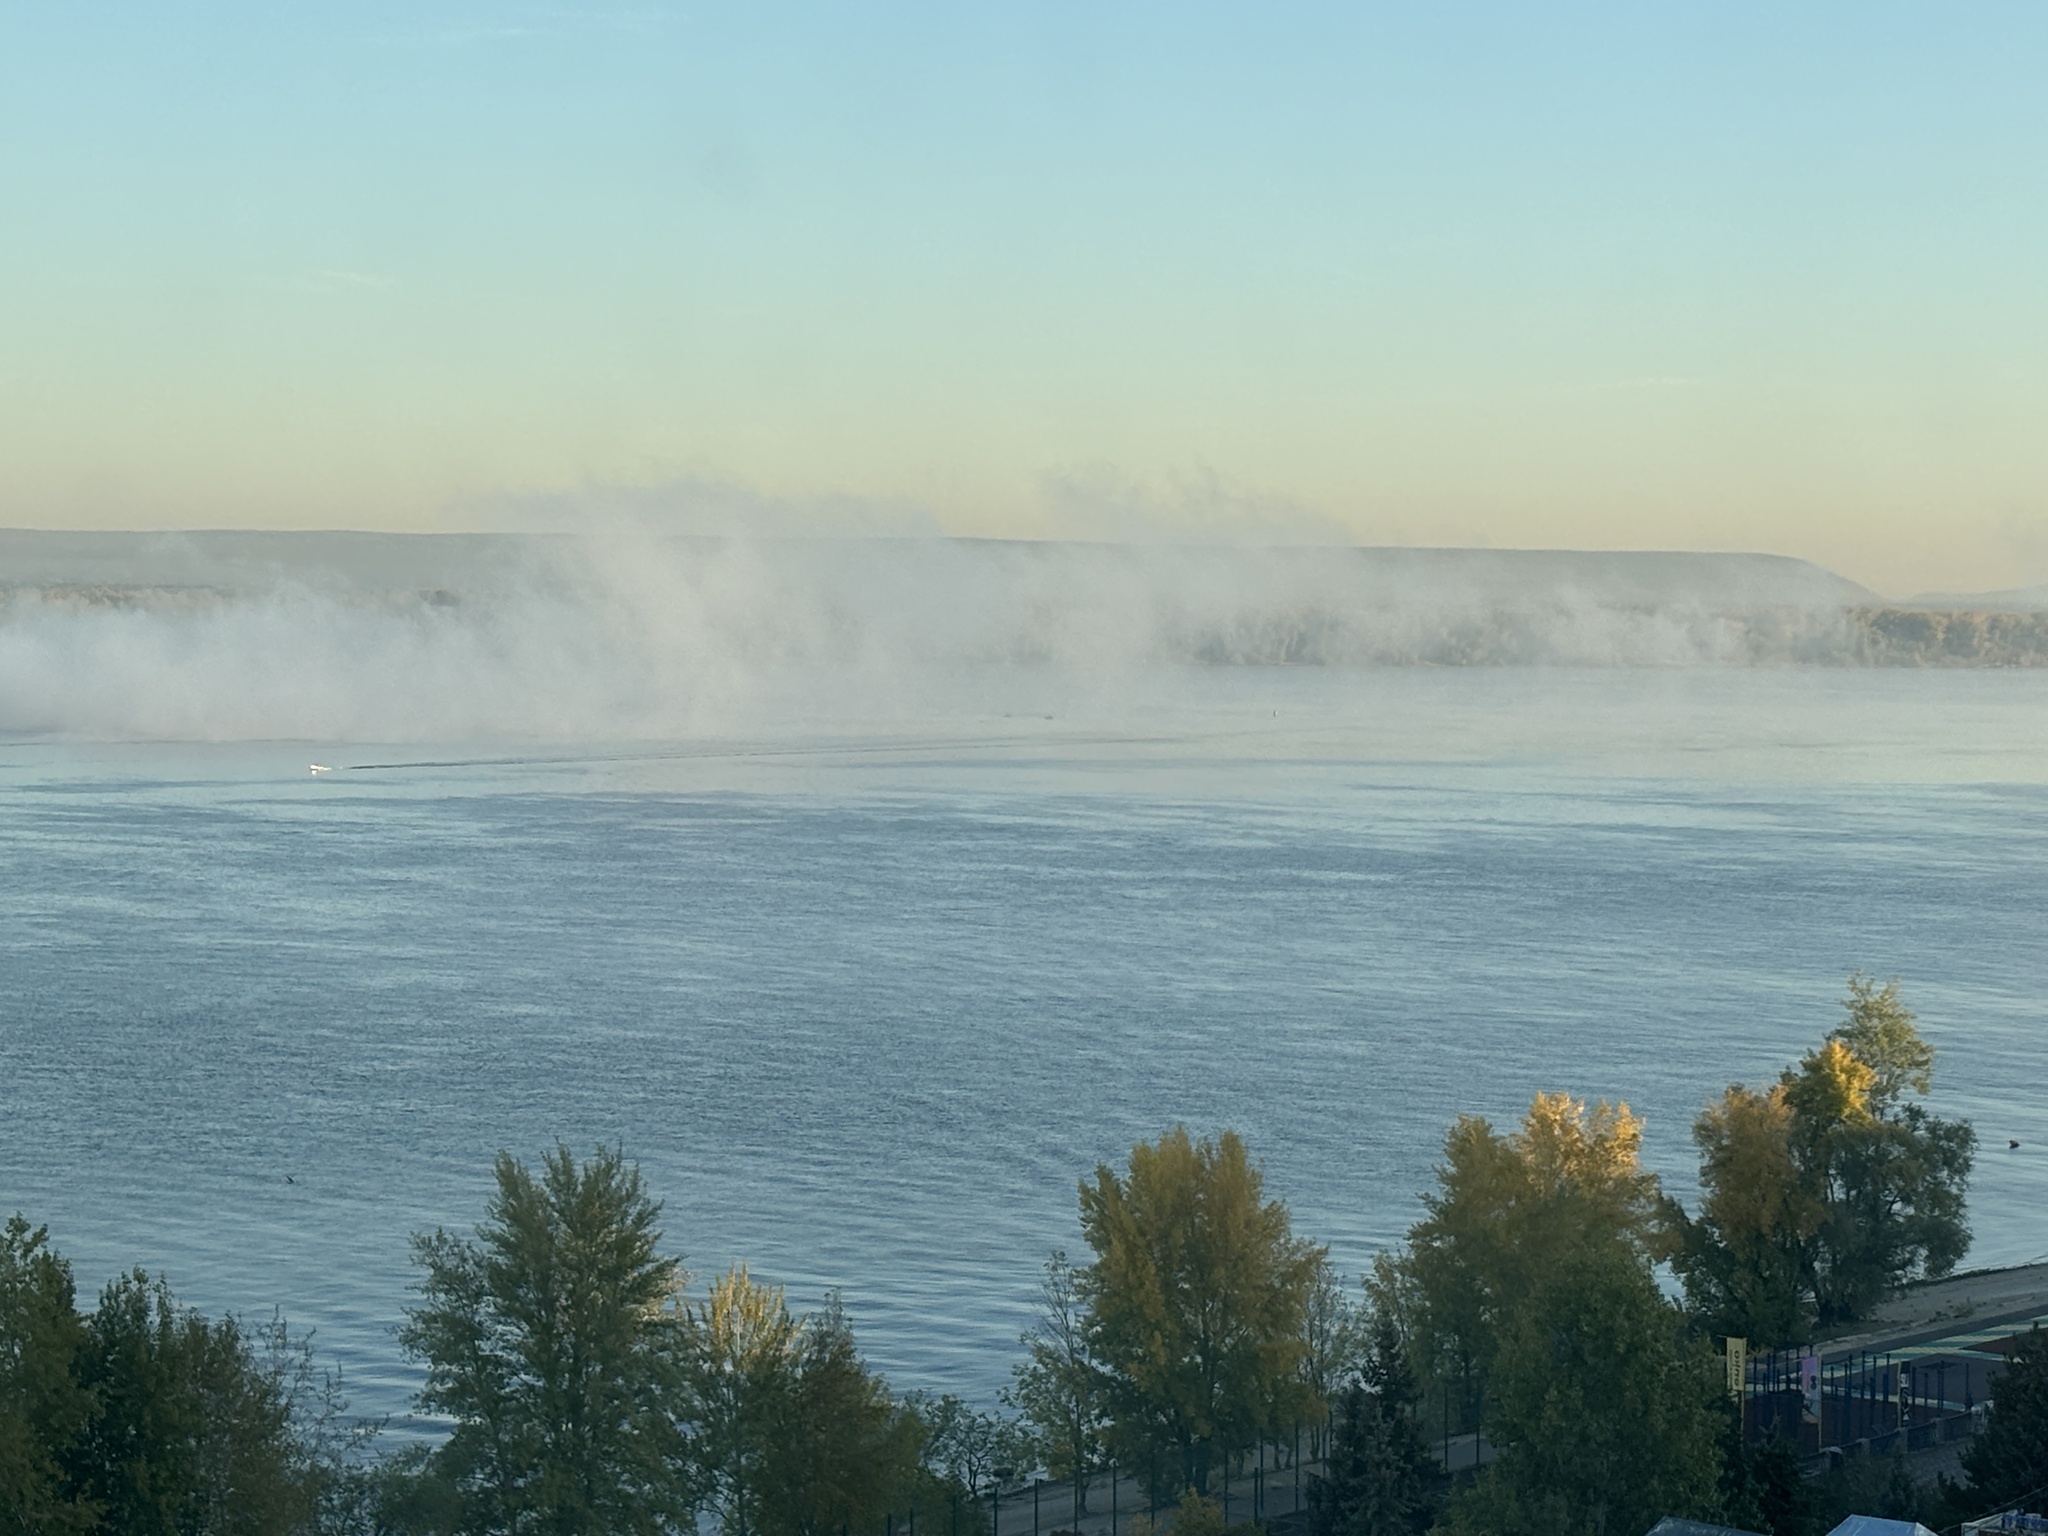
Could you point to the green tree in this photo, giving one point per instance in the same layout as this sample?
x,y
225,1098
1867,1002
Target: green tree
x,y
43,1408
1764,1487
1199,1515
844,1451
1530,1280
1057,1389
1379,1479
331,1449
1892,1177
550,1340
1195,1301
1826,1192
2008,1461
1333,1343
1600,1407
1745,1261
966,1446
192,1422
794,1434
1879,1032
740,1358
1508,1211
410,1494
148,1417
1881,1485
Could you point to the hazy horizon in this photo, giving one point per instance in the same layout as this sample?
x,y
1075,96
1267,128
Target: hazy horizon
x,y
627,633
1717,278
770,532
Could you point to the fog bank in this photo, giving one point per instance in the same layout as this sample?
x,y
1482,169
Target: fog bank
x,y
616,634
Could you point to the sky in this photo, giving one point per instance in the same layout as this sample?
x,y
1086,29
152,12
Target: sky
x,y
1716,276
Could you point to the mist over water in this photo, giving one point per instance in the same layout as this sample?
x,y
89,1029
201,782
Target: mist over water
x,y
869,895
226,637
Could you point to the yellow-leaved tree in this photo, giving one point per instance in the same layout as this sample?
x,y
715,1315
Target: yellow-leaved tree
x,y
793,1434
1195,1305
1529,1300
1826,1191
1506,1209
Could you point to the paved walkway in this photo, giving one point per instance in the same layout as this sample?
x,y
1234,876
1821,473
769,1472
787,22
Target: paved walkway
x,y
1983,1305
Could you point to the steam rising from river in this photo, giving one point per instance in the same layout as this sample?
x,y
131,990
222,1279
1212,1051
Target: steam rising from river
x,y
391,638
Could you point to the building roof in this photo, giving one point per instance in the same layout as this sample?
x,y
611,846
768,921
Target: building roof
x,y
1670,1525
1870,1525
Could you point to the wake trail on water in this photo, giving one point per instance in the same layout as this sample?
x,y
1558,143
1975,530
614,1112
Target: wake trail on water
x,y
741,754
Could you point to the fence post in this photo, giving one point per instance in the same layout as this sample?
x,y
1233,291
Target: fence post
x,y
1112,1499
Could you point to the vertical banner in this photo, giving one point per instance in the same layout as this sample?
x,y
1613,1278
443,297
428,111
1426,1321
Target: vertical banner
x,y
1809,1383
1738,1366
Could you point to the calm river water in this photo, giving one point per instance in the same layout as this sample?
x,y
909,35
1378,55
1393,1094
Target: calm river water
x,y
866,1001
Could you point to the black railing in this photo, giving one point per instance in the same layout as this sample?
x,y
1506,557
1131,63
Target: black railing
x,y
1862,1400
1268,1482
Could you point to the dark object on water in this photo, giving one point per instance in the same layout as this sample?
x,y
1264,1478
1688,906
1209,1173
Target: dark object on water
x,y
2011,1145
289,1179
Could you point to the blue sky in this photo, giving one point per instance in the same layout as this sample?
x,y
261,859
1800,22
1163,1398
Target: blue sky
x,y
1727,276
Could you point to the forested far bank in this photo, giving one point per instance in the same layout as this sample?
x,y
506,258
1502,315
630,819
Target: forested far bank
x,y
590,1383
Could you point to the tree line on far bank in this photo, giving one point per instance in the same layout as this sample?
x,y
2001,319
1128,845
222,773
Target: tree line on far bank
x,y
591,1389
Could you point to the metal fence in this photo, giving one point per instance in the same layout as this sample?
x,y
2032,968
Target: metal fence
x,y
1267,1484
1863,1400
1264,1484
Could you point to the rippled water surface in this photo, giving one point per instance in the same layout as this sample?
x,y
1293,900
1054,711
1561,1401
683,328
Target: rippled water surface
x,y
866,1003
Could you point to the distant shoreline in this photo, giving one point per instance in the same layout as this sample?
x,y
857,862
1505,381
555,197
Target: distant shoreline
x,y
635,610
